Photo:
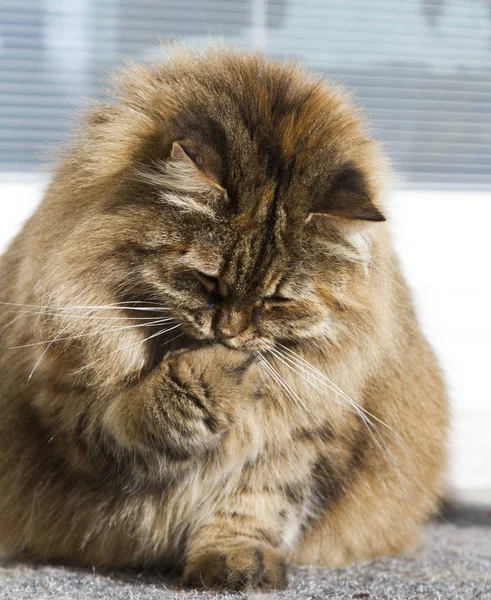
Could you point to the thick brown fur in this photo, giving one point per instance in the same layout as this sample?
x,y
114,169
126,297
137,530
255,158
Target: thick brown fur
x,y
285,408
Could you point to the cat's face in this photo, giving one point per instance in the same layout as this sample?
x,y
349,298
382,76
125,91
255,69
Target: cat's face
x,y
246,273
251,217
242,278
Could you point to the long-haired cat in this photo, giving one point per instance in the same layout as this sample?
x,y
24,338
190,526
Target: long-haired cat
x,y
209,358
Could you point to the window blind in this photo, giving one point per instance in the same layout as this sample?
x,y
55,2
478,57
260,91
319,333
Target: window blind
x,y
420,69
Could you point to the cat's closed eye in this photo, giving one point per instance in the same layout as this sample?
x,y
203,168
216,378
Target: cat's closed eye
x,y
276,299
209,282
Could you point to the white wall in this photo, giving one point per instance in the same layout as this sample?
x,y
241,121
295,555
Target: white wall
x,y
444,242
445,246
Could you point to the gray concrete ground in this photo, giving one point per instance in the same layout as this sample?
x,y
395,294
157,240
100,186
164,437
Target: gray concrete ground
x,y
454,563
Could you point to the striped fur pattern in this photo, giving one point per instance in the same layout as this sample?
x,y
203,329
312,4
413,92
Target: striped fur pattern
x,y
209,359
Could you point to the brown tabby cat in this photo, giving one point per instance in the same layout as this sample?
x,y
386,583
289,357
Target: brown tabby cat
x,y
209,358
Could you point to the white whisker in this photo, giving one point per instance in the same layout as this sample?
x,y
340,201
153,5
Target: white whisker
x,y
43,354
285,385
28,313
338,389
362,413
82,335
161,332
351,403
293,367
82,317
114,306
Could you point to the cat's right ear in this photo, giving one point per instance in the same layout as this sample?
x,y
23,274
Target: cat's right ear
x,y
195,167
348,198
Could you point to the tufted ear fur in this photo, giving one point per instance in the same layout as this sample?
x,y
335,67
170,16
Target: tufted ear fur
x,y
190,178
196,166
348,197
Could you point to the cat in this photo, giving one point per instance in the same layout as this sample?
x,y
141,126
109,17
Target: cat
x,y
209,359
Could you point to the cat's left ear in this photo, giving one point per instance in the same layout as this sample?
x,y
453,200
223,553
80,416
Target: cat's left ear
x,y
348,197
198,162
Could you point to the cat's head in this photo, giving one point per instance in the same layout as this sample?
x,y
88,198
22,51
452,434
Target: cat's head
x,y
243,194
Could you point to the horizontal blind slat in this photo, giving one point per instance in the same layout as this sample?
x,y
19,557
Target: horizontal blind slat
x,y
424,85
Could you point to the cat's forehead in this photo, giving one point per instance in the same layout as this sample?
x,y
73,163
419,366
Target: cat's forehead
x,y
259,150
271,127
262,250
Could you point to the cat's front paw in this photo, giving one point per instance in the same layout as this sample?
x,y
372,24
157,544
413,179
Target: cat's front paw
x,y
215,381
240,567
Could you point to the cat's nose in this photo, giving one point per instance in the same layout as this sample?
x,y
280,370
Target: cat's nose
x,y
230,323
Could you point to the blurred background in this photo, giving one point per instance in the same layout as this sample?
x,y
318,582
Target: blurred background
x,y
420,70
